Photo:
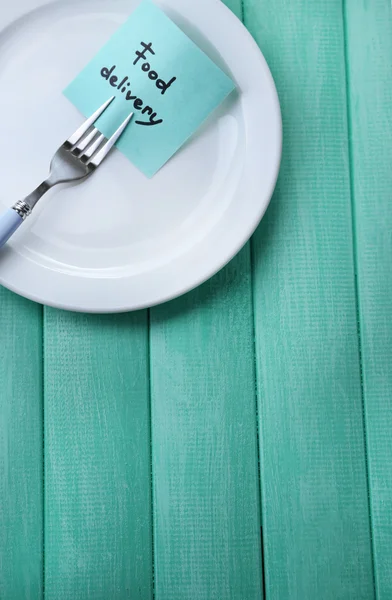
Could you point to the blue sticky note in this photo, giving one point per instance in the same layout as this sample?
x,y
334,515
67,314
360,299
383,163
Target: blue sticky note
x,y
156,71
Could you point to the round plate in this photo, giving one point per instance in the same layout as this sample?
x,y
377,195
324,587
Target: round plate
x,y
120,241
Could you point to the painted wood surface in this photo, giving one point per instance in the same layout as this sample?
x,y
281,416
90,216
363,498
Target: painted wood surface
x,y
21,457
140,453
369,51
205,472
313,464
204,441
97,457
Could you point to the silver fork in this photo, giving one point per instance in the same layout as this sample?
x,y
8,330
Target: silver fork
x,y
79,156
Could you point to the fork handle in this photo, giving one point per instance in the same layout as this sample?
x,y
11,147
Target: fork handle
x,y
10,220
13,217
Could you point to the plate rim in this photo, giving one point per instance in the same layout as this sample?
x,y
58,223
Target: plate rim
x,y
242,240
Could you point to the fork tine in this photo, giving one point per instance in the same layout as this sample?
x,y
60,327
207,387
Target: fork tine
x,y
92,148
88,122
98,158
85,141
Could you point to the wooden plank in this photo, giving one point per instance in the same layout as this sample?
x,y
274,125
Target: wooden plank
x,y
205,472
98,465
369,51
21,535
313,469
204,446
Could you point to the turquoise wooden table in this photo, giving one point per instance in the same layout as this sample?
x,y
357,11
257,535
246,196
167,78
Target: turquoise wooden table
x,y
234,444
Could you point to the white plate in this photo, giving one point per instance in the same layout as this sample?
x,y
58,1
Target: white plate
x,y
119,241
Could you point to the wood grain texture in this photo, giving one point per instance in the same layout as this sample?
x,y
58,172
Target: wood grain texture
x,y
204,440
98,465
204,447
311,270
21,535
369,51
314,488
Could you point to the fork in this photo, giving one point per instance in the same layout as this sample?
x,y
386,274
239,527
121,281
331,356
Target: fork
x,y
76,159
